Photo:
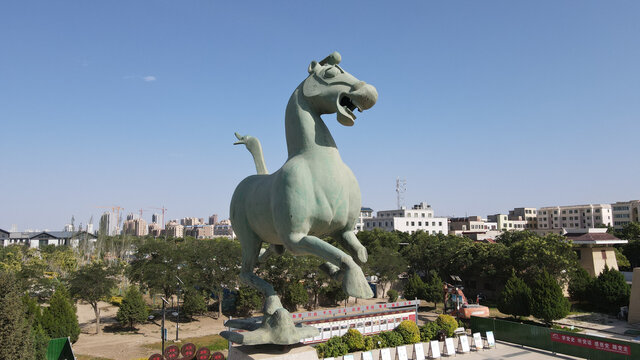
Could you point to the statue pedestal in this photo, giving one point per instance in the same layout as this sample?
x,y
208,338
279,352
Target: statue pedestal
x,y
273,352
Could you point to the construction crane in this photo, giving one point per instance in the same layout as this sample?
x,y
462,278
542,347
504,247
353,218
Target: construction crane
x,y
114,210
163,211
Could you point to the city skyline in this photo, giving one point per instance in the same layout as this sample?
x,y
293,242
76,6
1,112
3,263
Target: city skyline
x,y
482,106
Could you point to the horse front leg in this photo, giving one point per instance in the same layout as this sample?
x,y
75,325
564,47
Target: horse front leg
x,y
353,280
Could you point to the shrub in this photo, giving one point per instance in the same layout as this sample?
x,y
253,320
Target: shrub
x,y
428,331
115,300
392,338
446,323
515,298
393,295
335,347
547,301
610,291
580,285
354,340
368,343
248,300
409,332
379,341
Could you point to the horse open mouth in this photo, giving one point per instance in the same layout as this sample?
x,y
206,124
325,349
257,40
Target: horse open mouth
x,y
345,114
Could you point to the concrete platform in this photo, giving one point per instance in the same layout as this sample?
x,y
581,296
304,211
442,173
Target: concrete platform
x,y
273,352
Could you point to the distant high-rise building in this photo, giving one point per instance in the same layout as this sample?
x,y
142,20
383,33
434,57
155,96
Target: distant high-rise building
x,y
135,227
133,216
156,219
173,229
224,228
90,228
191,221
155,229
68,227
108,226
213,219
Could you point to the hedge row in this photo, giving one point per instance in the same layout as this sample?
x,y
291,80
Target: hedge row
x,y
407,332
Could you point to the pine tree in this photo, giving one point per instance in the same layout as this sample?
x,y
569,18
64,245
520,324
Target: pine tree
x,y
414,288
15,332
433,288
581,285
610,291
515,298
133,310
40,338
547,301
60,319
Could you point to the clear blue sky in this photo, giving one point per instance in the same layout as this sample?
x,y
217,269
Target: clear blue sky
x,y
483,105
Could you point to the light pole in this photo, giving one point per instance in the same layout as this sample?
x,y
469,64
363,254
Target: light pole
x,y
178,302
164,302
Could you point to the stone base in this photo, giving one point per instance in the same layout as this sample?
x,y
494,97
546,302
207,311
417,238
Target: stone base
x,y
273,352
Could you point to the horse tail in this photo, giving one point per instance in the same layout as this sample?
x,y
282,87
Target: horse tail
x,y
253,145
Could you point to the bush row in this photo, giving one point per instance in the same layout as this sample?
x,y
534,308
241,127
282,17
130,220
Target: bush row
x,y
407,332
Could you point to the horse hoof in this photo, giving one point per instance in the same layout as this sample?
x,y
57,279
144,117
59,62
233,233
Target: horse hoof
x,y
354,284
362,255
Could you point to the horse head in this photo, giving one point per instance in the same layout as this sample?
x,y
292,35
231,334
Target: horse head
x,y
329,89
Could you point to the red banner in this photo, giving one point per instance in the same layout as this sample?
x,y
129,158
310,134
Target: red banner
x,y
591,343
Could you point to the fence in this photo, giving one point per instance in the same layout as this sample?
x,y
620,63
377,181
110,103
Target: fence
x,y
563,342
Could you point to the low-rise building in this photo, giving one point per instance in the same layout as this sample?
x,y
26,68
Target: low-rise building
x,y
594,248
37,239
365,213
419,217
199,231
528,214
505,224
625,212
155,229
574,216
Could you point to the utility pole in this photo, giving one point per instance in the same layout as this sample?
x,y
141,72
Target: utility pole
x,y
178,303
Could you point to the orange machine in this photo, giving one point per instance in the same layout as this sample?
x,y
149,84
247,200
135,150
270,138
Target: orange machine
x,y
456,304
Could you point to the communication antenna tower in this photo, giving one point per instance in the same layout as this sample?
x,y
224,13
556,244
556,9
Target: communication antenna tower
x,y
401,188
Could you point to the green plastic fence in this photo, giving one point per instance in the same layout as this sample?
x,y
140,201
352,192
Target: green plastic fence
x,y
540,337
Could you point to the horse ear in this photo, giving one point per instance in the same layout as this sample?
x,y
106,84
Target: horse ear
x,y
312,66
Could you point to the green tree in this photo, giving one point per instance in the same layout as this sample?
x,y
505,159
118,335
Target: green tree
x,y
60,319
547,301
610,291
248,300
534,254
156,264
515,298
294,295
16,341
623,262
33,313
194,303
414,288
92,283
333,292
581,285
433,290
133,310
393,295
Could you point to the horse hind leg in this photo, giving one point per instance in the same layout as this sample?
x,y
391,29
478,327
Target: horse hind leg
x,y
251,246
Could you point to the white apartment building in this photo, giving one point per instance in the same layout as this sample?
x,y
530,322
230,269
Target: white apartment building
x,y
419,217
505,223
528,214
624,212
574,216
365,213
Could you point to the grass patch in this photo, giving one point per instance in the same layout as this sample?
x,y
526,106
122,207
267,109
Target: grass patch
x,y
89,357
572,329
214,342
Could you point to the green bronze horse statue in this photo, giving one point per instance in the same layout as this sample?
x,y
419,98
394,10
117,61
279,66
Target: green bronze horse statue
x,y
314,194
